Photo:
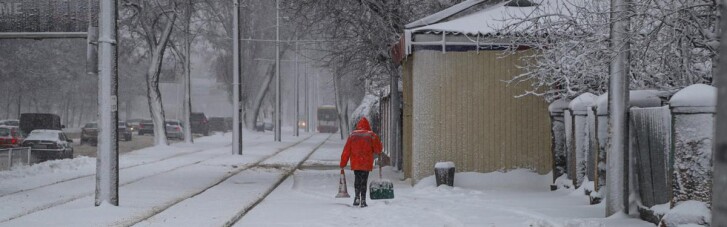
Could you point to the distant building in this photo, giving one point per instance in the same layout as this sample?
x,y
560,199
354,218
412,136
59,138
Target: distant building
x,y
457,106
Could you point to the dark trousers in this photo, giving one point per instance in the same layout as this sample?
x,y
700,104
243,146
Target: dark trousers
x,y
360,182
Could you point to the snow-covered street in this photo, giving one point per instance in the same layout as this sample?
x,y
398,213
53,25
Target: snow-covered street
x,y
203,185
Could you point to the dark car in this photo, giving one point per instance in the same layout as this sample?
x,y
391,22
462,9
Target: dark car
x,y
89,133
146,127
124,131
49,144
10,122
134,124
10,137
33,121
228,123
217,124
199,123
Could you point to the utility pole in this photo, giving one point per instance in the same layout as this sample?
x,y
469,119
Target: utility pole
x,y
297,99
187,102
307,96
719,196
277,73
617,182
107,162
236,124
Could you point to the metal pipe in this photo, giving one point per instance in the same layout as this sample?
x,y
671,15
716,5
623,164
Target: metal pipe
x,y
305,102
277,73
236,129
10,158
297,99
719,190
43,35
107,162
617,190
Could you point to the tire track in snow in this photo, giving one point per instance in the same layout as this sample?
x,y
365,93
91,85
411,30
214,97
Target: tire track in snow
x,y
126,167
77,197
158,210
290,172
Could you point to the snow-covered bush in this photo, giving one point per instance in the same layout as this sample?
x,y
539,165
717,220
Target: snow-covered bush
x,y
673,44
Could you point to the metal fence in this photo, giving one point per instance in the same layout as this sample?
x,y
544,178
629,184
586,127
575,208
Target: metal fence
x,y
651,146
14,157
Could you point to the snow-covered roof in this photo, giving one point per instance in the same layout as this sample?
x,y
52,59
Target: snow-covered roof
x,y
580,104
559,105
441,15
696,95
491,19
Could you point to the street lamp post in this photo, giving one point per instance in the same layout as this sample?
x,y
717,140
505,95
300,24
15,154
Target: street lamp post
x,y
236,123
107,162
277,73
617,185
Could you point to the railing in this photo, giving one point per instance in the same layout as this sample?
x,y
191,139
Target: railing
x,y
10,157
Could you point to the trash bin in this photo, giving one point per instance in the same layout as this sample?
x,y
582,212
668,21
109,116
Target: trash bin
x,y
444,173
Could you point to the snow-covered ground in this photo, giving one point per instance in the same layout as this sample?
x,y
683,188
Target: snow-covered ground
x,y
203,185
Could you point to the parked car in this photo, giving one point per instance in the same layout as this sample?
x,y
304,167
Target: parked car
x,y
217,124
48,144
146,127
199,123
228,123
10,136
124,131
174,129
11,122
134,124
269,126
89,133
32,121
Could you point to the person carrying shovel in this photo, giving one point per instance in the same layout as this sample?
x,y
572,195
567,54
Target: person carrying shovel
x,y
360,148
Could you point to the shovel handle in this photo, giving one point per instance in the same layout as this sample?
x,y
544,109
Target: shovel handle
x,y
380,177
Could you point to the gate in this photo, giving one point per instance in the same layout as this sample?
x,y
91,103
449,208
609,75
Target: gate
x,y
651,148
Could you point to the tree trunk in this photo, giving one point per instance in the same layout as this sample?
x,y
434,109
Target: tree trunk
x,y
156,107
256,106
187,102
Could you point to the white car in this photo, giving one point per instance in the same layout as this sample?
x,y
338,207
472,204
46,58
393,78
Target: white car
x,y
49,144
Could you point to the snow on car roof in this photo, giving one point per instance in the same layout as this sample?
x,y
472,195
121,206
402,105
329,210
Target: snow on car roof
x,y
44,134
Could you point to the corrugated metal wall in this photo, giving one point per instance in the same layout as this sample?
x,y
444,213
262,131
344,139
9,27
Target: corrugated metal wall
x,y
407,112
457,108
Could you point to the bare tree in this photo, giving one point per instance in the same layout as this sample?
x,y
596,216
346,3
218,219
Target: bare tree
x,y
673,45
155,21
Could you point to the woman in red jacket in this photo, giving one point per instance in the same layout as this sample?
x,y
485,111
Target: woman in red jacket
x,y
360,148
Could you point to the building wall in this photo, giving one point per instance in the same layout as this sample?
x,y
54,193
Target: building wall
x,y
457,108
407,115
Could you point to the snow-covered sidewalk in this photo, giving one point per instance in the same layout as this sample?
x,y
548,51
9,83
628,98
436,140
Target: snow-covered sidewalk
x,y
516,198
203,185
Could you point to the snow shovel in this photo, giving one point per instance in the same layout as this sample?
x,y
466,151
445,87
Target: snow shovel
x,y
381,188
342,189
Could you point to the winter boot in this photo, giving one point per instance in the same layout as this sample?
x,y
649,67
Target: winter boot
x,y
356,201
363,197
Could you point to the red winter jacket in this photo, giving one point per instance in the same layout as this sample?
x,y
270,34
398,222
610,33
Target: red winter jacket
x,y
360,147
